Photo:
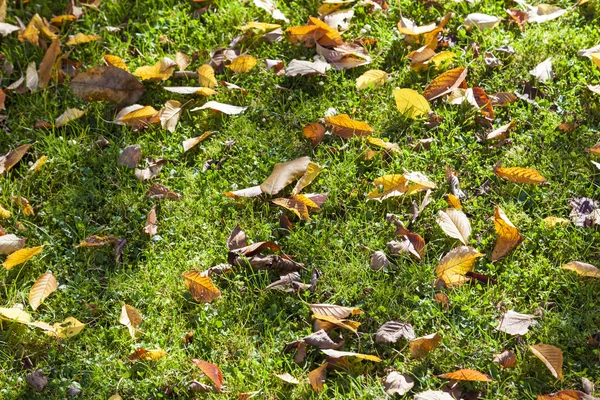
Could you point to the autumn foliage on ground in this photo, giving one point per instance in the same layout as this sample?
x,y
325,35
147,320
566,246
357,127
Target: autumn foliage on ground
x,y
311,199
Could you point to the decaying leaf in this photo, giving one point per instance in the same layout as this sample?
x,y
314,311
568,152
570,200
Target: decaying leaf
x,y
45,69
11,158
455,224
391,331
514,323
283,174
105,83
130,156
332,310
455,264
379,261
151,224
579,267
201,287
508,235
410,103
211,371
566,395
37,380
42,288
11,243
433,395
506,359
317,377
131,318
466,375
190,143
321,340
551,356
147,355
421,346
481,21
314,132
69,115
21,256
397,383
302,67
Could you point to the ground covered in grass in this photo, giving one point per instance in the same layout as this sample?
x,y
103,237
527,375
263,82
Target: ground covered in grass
x,y
83,191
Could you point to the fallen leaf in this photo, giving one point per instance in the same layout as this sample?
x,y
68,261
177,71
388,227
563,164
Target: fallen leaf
x,y
37,380
317,377
7,29
259,26
391,331
501,132
551,222
131,318
182,61
161,71
203,91
520,175
372,78
45,69
420,347
32,79
327,323
551,356
11,158
169,115
190,143
466,375
389,186
42,288
211,371
314,132
4,213
69,115
147,355
130,156
581,268
379,261
96,241
508,235
242,64
80,38
283,174
332,310
11,243
455,264
201,287
410,103
321,340
270,7
221,107
114,61
24,205
151,226
506,359
21,256
443,300
137,116
396,383
312,171
206,76
340,354
543,71
393,147
481,21
105,83
287,378
445,83
588,386
455,224
566,395
543,13
68,328
433,395
514,323
15,314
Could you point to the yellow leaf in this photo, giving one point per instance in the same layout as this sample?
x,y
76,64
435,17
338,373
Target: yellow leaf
x,y
419,182
551,222
455,224
508,235
114,61
97,241
68,328
4,213
453,201
595,58
206,76
408,27
389,186
312,171
149,355
162,70
520,175
188,144
131,318
466,375
371,78
21,256
136,115
61,19
393,147
346,324
242,64
259,26
439,58
421,346
81,38
14,314
582,269
69,115
201,287
345,127
333,310
339,354
455,264
297,204
38,164
551,356
410,103
42,288
445,83
595,149
24,205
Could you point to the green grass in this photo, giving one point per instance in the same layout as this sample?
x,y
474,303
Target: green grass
x,y
82,191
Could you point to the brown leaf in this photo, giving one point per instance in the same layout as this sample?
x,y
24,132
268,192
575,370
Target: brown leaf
x,y
107,84
96,241
211,371
445,83
283,174
345,127
442,299
11,158
42,288
502,132
287,378
158,191
45,68
201,287
314,132
11,243
581,268
508,235
37,380
419,347
501,99
551,356
483,102
131,318
151,226
317,377
506,359
396,383
466,375
514,323
321,340
391,331
130,156
566,395
520,175
237,239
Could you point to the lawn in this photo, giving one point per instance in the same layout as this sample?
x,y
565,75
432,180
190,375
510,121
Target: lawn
x,y
82,191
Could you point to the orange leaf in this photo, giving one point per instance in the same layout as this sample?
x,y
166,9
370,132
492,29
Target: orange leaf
x,y
201,287
551,356
342,125
314,132
211,371
508,235
466,375
317,377
445,83
419,347
143,354
520,175
565,395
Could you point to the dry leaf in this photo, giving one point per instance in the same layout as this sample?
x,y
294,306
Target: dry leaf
x,y
259,26
131,318
345,127
182,61
11,158
169,115
69,115
81,38
396,383
443,300
96,241
301,67
372,78
340,354
24,205
321,340
32,79
551,356
543,71
42,288
328,323
162,70
551,222
411,104
7,29
107,84
130,156
508,235
506,359
481,21
151,226
188,144
581,268
445,83
201,287
137,116
566,395
520,175
317,377
455,224
420,347
379,261
393,147
11,243
147,355
114,61
391,331
211,371
312,171
206,76
14,314
4,213
203,91
45,70
21,256
242,64
514,323
502,132
389,186
314,132
455,264
466,375
433,395
332,310
287,378
283,174
68,328
221,107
